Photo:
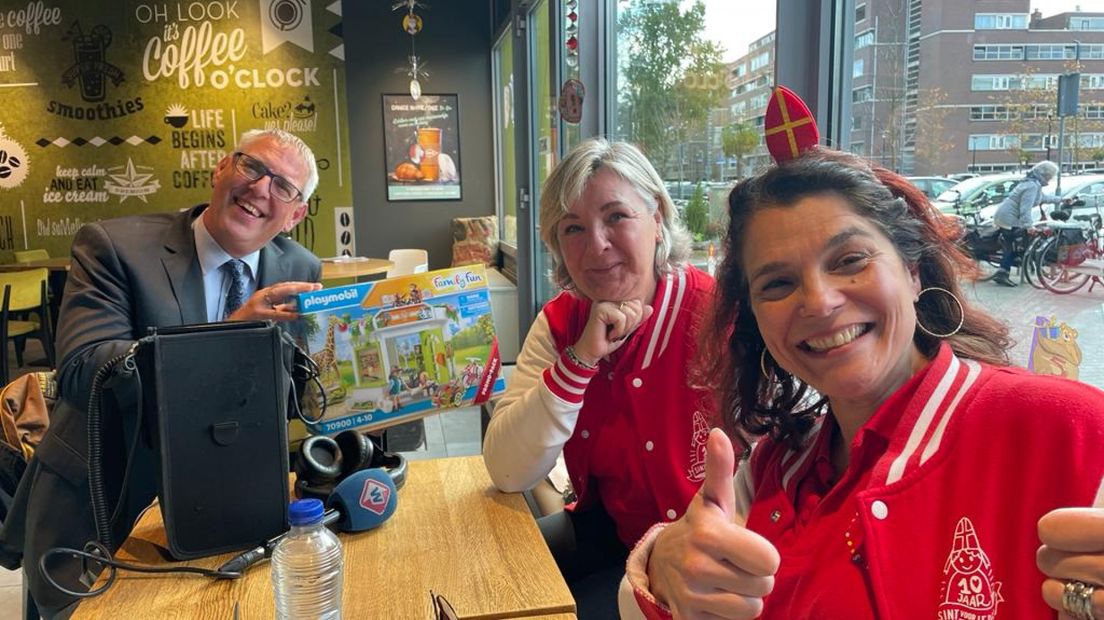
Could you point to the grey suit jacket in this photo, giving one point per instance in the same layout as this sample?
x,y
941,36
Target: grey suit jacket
x,y
127,275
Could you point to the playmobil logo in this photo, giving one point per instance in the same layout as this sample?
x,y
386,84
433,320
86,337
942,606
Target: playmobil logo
x,y
329,298
458,280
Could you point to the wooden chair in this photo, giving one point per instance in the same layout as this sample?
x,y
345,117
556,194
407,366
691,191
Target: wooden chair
x,y
24,313
30,256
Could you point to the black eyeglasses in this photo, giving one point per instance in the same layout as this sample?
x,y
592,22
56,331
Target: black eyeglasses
x,y
254,169
442,609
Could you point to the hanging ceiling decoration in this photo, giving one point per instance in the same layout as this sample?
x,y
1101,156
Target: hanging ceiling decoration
x,y
412,25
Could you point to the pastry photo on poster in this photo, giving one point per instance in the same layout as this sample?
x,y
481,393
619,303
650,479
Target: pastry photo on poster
x,y
422,147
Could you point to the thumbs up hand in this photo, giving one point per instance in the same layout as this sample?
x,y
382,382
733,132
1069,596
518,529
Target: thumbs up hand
x,y
1073,552
707,563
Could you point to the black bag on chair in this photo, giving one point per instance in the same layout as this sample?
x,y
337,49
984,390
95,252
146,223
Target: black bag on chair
x,y
215,400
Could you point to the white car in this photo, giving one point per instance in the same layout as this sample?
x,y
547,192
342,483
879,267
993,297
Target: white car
x,y
971,195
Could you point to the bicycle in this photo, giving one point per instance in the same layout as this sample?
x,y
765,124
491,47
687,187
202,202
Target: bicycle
x,y
983,242
1073,255
1029,264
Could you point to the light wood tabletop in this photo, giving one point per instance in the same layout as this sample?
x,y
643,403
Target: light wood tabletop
x,y
354,267
452,533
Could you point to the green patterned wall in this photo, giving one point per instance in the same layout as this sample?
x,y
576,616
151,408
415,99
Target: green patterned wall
x,y
112,108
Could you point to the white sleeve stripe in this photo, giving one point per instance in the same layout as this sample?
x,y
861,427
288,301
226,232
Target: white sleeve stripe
x,y
561,369
565,386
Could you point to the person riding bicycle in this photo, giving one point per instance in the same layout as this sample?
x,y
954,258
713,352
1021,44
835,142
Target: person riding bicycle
x,y
1013,216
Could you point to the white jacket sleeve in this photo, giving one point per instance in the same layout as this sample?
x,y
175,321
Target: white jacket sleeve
x,y
634,591
530,424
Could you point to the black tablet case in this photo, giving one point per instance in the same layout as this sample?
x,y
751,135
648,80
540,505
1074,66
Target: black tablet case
x,y
215,398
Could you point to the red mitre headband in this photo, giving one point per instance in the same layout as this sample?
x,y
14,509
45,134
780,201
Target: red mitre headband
x,y
789,126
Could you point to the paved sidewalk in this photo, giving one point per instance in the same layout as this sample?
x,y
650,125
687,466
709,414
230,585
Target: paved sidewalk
x,y
1083,311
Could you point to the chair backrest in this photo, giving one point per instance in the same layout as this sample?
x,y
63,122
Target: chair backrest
x,y
407,261
28,256
27,288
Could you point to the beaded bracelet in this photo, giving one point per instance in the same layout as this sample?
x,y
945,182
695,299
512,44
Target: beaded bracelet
x,y
570,351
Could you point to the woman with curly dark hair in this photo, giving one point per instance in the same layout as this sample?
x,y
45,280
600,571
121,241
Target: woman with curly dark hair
x,y
903,468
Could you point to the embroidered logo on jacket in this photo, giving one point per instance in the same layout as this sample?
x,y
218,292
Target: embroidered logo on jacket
x,y
698,438
969,590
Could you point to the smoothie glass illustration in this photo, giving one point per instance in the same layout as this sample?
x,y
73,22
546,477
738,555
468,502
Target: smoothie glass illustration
x,y
88,51
429,138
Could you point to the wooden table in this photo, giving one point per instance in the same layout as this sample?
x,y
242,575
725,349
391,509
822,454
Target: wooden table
x,y
60,263
354,267
452,533
59,273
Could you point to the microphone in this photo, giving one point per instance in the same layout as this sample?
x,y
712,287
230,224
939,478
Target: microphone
x,y
362,501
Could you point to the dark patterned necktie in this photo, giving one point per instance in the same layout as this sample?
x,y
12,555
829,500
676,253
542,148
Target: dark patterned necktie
x,y
235,269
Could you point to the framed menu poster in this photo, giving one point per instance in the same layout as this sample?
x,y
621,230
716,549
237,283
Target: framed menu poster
x,y
422,147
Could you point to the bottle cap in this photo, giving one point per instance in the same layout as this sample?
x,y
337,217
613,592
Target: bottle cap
x,y
305,511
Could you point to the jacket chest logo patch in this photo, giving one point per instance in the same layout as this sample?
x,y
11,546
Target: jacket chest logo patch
x,y
969,591
698,438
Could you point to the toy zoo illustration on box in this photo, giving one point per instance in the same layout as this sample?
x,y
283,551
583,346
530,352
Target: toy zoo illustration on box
x,y
399,349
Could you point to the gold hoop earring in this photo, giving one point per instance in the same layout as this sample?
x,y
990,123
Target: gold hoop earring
x,y
763,364
961,313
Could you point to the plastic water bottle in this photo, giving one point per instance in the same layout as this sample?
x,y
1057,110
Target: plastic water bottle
x,y
307,566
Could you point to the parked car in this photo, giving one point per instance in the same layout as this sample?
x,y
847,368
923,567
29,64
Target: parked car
x,y
932,186
962,176
1086,188
971,195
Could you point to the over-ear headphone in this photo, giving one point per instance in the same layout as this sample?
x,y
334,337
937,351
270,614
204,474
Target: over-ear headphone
x,y
325,461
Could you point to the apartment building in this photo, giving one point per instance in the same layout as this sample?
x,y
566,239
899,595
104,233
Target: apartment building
x,y
943,86
750,78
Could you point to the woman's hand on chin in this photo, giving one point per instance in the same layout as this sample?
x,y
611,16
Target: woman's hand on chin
x,y
609,326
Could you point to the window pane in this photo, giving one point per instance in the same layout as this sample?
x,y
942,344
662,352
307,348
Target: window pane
x,y
948,89
544,145
692,85
505,151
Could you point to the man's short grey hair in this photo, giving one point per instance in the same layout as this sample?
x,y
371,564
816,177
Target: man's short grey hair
x,y
1045,169
569,179
288,139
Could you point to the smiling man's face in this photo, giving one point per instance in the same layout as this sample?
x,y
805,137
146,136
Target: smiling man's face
x,y
244,215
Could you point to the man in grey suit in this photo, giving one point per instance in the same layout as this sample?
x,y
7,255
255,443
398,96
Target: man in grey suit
x,y
222,261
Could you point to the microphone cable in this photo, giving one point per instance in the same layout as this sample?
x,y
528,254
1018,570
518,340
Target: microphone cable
x,y
104,377
95,552
306,365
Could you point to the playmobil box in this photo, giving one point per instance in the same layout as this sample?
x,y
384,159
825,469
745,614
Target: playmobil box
x,y
395,350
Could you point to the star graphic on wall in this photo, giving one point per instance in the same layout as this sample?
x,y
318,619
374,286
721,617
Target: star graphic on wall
x,y
131,182
132,178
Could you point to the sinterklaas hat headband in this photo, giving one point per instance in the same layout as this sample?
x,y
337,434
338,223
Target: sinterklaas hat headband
x,y
789,127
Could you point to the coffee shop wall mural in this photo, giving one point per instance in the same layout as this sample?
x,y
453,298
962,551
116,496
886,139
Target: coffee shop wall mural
x,y
111,108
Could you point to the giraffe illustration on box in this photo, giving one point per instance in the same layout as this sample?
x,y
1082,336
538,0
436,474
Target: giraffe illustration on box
x,y
327,357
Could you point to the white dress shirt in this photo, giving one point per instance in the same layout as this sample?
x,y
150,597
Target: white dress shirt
x,y
216,282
